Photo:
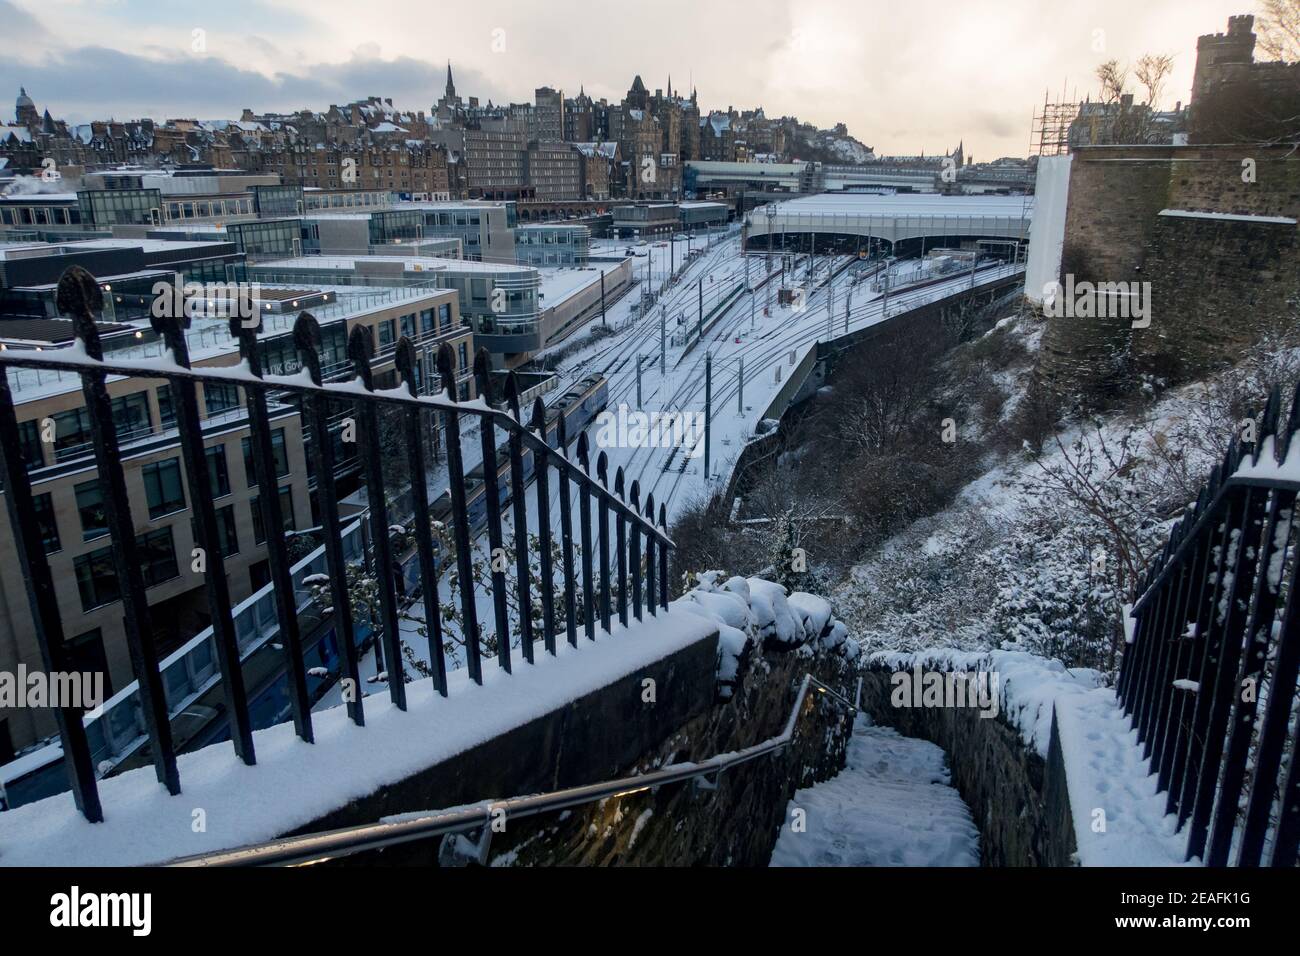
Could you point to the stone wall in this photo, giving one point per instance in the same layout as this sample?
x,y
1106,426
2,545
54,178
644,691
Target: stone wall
x,y
592,738
1018,799
1214,283
685,825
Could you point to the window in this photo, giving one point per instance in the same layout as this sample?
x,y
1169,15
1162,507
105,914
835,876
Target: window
x,y
84,654
386,336
227,537
286,513
444,316
71,433
259,575
163,488
278,449
218,475
408,326
90,506
131,415
96,578
464,357
29,443
219,397
166,407
427,325
157,556
45,521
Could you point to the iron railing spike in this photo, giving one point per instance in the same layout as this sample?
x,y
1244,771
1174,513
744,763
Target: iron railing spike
x,y
512,396
447,369
79,296
602,468
584,453
360,350
618,481
404,362
483,376
538,421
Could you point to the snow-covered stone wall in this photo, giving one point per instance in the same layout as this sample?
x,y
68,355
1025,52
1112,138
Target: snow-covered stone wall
x,y
1042,754
768,641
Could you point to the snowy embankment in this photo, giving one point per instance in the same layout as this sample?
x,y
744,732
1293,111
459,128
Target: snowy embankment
x,y
225,804
1119,819
891,805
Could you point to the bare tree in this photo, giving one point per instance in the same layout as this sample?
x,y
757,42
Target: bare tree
x,y
1279,29
1113,79
1152,70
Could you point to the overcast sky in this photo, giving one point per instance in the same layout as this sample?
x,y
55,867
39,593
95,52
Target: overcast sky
x,y
905,77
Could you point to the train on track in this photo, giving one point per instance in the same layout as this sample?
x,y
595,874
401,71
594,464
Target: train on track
x,y
579,406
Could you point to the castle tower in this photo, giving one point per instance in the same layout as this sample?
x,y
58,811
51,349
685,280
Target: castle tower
x,y
1214,51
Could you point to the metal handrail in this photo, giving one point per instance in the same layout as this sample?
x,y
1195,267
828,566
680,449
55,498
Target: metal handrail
x,y
335,844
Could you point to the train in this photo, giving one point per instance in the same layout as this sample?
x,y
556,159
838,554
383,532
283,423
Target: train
x,y
579,405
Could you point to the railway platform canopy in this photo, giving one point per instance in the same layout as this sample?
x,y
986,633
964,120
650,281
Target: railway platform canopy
x,y
903,219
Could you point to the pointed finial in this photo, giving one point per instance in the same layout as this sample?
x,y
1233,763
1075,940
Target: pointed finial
x,y
404,361
512,395
447,370
483,376
360,348
584,450
306,339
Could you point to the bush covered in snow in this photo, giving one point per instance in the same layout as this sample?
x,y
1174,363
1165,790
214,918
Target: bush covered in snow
x,y
752,613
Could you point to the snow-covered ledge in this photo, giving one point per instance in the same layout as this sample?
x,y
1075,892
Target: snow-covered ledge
x,y
226,804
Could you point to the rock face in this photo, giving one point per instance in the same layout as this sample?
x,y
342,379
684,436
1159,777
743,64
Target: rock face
x,y
775,643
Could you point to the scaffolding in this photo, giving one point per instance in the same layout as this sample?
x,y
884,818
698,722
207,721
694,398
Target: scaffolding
x,y
1051,129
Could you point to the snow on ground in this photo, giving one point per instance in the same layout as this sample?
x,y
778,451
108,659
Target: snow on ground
x,y
1104,767
241,805
892,805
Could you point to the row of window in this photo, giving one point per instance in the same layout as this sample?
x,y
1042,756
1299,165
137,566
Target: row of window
x,y
96,572
132,420
164,490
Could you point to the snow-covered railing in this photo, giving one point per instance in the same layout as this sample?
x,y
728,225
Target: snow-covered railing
x,y
1213,655
627,583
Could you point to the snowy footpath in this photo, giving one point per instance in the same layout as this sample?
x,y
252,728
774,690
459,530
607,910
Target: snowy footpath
x,y
892,805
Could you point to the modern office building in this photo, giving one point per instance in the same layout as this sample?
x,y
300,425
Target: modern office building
x,y
69,499
127,268
552,244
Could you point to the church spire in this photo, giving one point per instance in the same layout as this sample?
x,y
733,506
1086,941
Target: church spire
x,y
451,86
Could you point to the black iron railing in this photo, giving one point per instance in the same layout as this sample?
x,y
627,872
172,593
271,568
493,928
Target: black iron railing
x,y
80,298
1209,677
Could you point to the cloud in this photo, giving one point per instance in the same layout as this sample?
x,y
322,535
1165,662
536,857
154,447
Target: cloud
x,y
72,84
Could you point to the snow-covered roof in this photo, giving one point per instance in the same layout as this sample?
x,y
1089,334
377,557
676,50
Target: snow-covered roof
x,y
1229,217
